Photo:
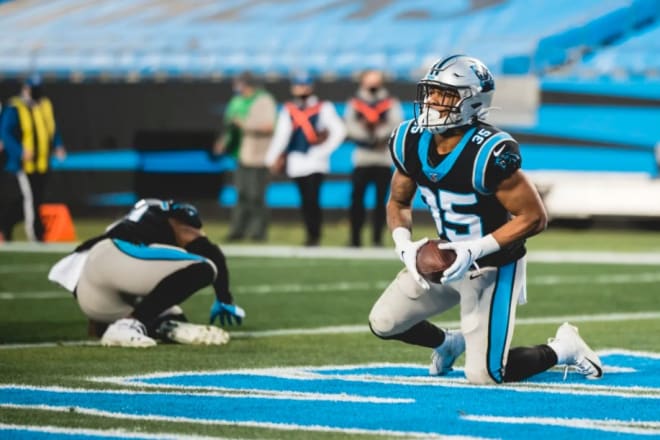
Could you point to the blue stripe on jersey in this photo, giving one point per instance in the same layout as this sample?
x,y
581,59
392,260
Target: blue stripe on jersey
x,y
446,165
500,314
479,172
400,145
144,252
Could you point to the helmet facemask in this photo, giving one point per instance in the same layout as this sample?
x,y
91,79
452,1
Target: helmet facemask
x,y
456,91
438,107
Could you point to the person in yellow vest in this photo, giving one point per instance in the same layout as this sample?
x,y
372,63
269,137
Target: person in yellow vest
x,y
370,117
29,135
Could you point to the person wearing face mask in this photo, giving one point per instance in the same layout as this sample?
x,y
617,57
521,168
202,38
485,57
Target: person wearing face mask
x,y
370,117
308,130
249,122
29,135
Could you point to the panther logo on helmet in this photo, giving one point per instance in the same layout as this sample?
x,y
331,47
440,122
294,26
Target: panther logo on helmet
x,y
466,87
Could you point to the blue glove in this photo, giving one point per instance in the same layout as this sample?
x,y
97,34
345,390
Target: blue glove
x,y
227,312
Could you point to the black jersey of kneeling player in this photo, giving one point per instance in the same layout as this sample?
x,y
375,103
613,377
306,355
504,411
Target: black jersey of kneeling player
x,y
459,187
147,223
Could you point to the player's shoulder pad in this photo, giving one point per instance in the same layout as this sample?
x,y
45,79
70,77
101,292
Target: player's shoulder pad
x,y
398,143
493,143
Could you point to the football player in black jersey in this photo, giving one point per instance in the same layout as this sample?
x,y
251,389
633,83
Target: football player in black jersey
x,y
469,176
130,280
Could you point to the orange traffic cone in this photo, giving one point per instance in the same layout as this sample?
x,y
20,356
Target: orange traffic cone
x,y
57,222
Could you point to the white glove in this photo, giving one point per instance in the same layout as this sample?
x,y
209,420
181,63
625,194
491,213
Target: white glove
x,y
467,252
407,252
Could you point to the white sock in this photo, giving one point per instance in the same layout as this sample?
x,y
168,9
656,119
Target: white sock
x,y
562,352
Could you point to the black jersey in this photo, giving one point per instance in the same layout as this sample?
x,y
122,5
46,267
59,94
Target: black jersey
x,y
458,188
147,223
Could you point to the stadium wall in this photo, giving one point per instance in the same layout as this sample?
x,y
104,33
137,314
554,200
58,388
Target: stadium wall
x,y
127,139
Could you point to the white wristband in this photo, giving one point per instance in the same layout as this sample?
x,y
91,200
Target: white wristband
x,y
401,234
488,245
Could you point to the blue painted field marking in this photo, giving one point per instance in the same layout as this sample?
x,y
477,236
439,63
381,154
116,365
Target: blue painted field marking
x,y
421,406
624,371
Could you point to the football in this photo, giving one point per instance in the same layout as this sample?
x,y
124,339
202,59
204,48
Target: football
x,y
432,262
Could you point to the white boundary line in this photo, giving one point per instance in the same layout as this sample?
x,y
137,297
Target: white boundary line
x,y
363,328
219,391
612,425
267,251
119,433
343,286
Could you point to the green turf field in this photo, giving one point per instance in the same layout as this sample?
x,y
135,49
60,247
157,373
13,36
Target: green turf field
x,y
615,306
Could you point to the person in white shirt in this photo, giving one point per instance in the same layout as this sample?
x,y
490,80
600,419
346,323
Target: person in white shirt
x,y
308,130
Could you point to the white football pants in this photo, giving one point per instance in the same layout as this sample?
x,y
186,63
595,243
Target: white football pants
x,y
488,309
114,279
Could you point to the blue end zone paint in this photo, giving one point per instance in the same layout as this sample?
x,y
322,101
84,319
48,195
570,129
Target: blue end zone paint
x,y
438,406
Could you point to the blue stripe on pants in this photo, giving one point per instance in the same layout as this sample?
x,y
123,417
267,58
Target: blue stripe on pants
x,y
144,252
500,313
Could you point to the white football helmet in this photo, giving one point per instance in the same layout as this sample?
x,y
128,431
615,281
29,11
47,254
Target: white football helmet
x,y
456,76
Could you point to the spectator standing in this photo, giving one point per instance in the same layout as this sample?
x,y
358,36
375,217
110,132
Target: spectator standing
x,y
371,115
308,130
249,123
29,135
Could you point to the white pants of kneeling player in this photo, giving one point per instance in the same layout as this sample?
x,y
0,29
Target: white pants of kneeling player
x,y
488,309
112,281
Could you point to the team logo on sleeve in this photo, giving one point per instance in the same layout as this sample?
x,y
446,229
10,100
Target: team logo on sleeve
x,y
506,160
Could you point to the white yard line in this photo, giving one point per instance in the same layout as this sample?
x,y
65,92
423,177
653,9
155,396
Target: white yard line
x,y
119,433
363,328
619,426
344,329
603,257
262,289
259,289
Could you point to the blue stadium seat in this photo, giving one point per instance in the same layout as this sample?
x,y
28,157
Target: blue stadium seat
x,y
334,38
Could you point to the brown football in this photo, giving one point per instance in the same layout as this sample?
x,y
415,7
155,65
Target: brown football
x,y
432,262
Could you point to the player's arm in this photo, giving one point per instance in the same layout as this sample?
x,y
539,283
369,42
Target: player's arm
x,y
399,205
399,220
194,240
519,196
